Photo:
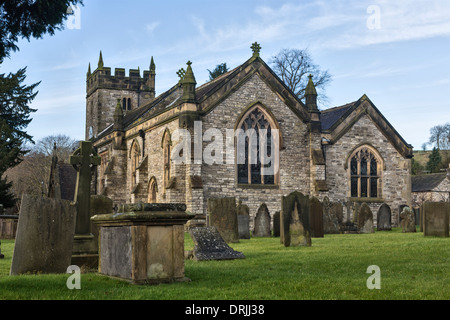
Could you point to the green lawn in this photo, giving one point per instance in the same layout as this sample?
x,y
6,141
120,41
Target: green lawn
x,y
334,267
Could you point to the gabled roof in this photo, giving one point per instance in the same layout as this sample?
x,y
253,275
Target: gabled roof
x,y
426,182
339,120
211,93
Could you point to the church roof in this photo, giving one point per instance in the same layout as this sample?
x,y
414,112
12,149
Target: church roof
x,y
426,182
329,117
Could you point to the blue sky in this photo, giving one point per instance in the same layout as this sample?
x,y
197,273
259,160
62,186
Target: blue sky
x,y
396,52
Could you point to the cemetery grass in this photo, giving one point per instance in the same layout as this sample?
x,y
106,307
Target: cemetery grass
x,y
333,268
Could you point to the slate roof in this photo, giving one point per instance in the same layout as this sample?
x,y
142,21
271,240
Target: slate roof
x,y
426,182
330,116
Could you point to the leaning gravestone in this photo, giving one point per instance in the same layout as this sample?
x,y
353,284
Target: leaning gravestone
x,y
436,219
384,218
316,218
407,220
294,220
45,235
209,245
365,219
262,222
222,215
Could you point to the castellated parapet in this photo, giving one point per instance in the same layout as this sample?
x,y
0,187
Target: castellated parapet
x,y
104,89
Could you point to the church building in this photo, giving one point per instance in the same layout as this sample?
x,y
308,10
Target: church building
x,y
191,143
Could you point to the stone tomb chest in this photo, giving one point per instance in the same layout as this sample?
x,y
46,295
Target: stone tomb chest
x,y
143,243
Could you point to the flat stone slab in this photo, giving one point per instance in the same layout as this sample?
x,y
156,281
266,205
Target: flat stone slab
x,y
209,245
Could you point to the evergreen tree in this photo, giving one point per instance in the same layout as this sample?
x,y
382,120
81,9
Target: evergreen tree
x,y
219,70
15,98
434,161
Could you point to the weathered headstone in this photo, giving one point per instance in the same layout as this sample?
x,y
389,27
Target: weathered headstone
x,y
244,226
400,209
262,222
276,224
384,218
331,213
222,215
45,235
209,245
316,218
365,219
295,229
436,219
242,209
85,248
407,220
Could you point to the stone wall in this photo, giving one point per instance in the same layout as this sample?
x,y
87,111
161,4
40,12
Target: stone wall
x,y
219,180
396,181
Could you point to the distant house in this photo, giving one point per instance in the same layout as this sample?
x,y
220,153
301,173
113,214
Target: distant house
x,y
430,187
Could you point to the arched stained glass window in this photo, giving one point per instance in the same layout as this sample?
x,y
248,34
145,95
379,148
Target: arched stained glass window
x,y
365,173
257,158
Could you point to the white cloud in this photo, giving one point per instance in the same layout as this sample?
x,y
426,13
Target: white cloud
x,y
150,27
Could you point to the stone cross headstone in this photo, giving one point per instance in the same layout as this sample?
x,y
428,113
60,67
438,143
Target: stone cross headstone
x,y
83,160
384,218
85,247
209,245
262,222
45,234
436,219
316,217
222,215
407,220
365,219
294,220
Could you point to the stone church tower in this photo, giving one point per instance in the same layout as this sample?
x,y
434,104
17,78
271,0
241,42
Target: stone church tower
x,y
103,90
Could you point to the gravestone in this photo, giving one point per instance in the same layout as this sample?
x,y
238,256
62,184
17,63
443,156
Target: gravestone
x,y
209,245
262,222
407,220
85,247
316,218
276,224
45,235
400,209
331,213
365,219
242,209
294,220
436,219
222,215
244,226
384,218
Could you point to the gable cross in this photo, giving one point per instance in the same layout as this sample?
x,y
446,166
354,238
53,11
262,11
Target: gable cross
x,y
84,159
255,48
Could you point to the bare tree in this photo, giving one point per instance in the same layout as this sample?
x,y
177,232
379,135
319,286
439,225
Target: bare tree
x,y
293,67
32,175
440,136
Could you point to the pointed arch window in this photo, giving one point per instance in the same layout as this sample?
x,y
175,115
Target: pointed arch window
x,y
134,160
257,140
166,145
365,167
152,190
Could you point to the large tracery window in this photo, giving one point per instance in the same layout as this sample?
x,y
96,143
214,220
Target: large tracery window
x,y
257,158
365,173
